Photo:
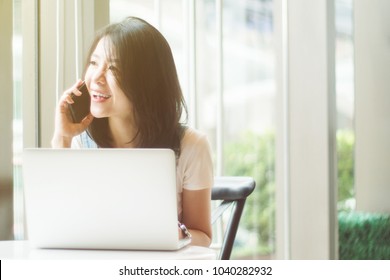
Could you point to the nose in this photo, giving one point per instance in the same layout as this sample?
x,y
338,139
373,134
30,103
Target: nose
x,y
99,75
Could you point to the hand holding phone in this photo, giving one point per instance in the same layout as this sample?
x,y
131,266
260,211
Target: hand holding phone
x,y
82,103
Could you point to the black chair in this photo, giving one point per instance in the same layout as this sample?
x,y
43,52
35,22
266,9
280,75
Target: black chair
x,y
232,191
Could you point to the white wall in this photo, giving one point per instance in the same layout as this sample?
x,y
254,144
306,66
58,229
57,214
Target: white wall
x,y
372,105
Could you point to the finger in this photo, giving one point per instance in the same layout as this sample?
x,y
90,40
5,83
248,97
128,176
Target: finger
x,y
87,120
77,92
64,108
66,96
66,99
83,125
76,87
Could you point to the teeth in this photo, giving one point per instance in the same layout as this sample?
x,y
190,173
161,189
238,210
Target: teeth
x,y
102,95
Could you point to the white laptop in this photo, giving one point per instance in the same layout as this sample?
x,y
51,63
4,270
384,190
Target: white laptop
x,y
122,199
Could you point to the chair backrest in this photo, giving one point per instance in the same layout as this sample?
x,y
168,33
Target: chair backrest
x,y
232,191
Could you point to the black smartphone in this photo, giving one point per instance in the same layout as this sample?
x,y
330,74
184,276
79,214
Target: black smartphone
x,y
81,106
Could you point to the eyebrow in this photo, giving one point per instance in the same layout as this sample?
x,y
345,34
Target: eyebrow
x,y
114,60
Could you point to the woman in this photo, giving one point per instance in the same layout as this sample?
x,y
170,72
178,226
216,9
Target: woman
x,y
136,102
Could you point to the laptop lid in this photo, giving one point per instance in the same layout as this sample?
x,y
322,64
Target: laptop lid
x,y
101,198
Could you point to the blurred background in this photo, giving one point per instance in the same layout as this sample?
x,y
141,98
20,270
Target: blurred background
x,y
291,93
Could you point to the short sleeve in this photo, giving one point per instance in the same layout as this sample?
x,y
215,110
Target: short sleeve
x,y
195,166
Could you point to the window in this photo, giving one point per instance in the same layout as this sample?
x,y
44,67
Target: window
x,y
226,63
226,56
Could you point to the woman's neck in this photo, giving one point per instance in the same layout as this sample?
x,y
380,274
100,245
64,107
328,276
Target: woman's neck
x,y
123,132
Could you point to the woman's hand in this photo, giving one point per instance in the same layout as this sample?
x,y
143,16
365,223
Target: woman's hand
x,y
65,129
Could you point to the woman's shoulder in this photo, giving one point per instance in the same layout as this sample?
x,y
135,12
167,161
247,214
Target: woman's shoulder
x,y
195,163
193,137
194,144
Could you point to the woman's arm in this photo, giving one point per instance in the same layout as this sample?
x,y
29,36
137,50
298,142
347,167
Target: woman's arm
x,y
197,215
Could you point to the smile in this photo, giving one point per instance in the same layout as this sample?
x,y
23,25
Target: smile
x,y
100,95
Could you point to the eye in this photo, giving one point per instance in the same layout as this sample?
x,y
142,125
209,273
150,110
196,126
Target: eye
x,y
92,63
112,68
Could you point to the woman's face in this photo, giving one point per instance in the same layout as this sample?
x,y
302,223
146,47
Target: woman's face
x,y
107,98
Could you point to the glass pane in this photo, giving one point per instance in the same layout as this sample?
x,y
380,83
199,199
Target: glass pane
x,y
249,124
248,107
119,9
172,26
206,71
345,103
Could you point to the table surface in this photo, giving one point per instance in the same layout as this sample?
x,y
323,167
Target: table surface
x,y
23,250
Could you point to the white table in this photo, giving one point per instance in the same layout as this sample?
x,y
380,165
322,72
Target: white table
x,y
22,250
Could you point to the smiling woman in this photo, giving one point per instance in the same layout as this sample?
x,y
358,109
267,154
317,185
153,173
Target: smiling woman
x,y
137,102
142,69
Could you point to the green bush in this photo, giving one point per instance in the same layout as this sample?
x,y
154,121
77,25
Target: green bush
x,y
254,155
345,164
364,236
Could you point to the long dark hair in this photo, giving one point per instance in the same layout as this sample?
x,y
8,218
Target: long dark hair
x,y
147,75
